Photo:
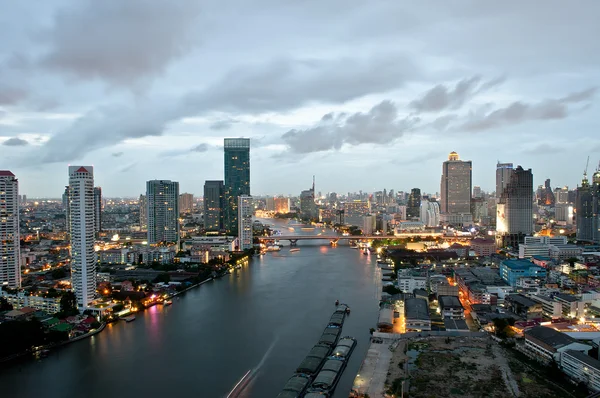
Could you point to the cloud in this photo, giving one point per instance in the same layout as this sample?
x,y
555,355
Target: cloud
x,y
15,141
276,86
11,95
121,42
441,97
200,148
128,167
518,112
223,124
544,149
380,125
117,154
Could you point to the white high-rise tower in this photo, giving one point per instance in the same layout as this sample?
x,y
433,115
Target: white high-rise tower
x,y
83,256
10,269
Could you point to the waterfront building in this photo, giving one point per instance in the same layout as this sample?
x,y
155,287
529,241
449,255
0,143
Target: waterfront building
x,y
186,202
368,225
503,173
23,299
282,205
65,202
97,209
416,315
10,253
355,210
514,212
456,190
83,255
163,211
143,203
245,212
588,209
237,178
413,208
308,208
512,270
214,196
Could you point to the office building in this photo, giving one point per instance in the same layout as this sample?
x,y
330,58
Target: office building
x,y
308,207
430,212
587,207
354,211
82,214
514,212
282,205
163,211
97,209
413,208
512,270
186,203
214,201
237,178
143,203
456,190
245,211
503,173
477,192
563,214
270,203
10,254
561,195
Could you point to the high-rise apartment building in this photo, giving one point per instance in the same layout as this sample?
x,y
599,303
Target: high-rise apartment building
x,y
10,255
354,211
245,222
413,208
237,178
163,211
308,207
514,212
587,207
65,203
503,173
282,205
97,209
477,192
83,255
430,212
143,202
455,203
562,195
213,205
186,203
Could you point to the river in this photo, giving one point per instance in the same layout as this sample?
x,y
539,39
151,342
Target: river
x,y
263,318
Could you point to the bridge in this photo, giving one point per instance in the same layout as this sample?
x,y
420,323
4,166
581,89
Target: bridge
x,y
333,239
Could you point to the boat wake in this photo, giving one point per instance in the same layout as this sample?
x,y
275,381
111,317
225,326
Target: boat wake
x,y
242,387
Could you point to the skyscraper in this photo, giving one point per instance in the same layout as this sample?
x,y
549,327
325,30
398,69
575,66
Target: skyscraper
x,y
163,211
97,209
514,213
245,222
237,178
143,202
413,208
546,195
503,173
308,208
83,255
213,205
10,255
455,203
430,212
186,202
65,202
587,207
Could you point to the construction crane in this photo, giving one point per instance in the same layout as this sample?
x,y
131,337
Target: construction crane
x,y
586,166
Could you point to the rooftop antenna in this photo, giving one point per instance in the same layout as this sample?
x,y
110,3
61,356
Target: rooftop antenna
x,y
314,180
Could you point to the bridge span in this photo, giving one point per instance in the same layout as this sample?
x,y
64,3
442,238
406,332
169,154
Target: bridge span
x,y
293,239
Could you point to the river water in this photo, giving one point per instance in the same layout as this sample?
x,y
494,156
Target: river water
x,y
263,318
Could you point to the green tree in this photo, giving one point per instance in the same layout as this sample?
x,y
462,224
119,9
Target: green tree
x,y
5,305
68,304
164,277
59,273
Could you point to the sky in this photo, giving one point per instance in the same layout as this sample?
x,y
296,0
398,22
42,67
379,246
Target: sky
x,y
363,95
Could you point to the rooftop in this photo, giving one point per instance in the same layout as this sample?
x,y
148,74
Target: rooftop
x,y
518,264
416,308
449,302
566,297
549,336
588,360
519,298
455,324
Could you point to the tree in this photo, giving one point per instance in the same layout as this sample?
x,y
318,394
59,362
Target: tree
x,y
572,261
59,273
5,305
164,277
68,304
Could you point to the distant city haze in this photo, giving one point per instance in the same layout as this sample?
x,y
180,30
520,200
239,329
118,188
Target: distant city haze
x,y
363,96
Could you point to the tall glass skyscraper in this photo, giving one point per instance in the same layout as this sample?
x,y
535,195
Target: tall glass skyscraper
x,y
514,218
503,173
10,269
456,185
213,205
162,198
237,178
588,209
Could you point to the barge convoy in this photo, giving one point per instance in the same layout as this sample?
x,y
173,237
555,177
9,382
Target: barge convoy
x,y
318,374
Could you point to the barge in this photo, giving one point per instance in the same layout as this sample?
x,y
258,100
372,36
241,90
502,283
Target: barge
x,y
330,336
314,360
295,386
332,369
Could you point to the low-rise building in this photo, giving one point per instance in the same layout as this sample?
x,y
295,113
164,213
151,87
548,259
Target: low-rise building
x,y
21,300
545,344
455,325
563,252
512,270
523,306
571,305
550,307
450,307
408,283
416,315
581,368
483,247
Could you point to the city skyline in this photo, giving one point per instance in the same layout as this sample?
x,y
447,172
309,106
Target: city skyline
x,y
337,108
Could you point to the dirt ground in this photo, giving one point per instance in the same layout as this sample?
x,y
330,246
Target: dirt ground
x,y
458,367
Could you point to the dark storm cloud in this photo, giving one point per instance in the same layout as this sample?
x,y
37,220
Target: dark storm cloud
x,y
518,112
121,42
15,141
277,86
442,97
380,125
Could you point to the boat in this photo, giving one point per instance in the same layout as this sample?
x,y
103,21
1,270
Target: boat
x,y
294,250
344,347
329,375
167,302
330,335
295,386
337,319
129,318
337,302
314,360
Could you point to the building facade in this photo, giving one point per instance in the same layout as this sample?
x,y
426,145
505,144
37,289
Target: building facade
x,y
97,209
512,270
456,185
214,201
237,178
430,212
514,212
83,255
282,205
413,208
10,254
245,211
186,202
143,202
163,211
503,173
588,209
